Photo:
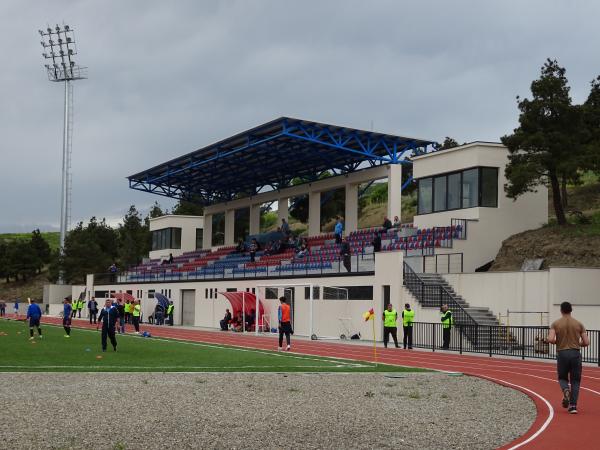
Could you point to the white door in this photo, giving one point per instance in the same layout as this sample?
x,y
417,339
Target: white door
x,y
188,307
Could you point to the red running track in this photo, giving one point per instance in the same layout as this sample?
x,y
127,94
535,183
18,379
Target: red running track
x,y
552,428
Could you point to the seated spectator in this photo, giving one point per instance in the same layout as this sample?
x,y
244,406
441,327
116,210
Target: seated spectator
x,y
377,242
250,318
387,223
225,321
169,260
291,242
269,248
241,246
397,223
276,247
303,252
237,322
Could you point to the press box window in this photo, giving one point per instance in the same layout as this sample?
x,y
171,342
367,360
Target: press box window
x,y
166,238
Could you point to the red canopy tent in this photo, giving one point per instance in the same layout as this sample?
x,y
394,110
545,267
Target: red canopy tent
x,y
247,302
123,296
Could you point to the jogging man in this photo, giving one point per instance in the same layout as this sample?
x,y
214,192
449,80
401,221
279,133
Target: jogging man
x,y
67,310
34,314
285,324
109,316
569,335
389,317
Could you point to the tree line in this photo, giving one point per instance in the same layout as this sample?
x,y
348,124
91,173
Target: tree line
x,y
21,259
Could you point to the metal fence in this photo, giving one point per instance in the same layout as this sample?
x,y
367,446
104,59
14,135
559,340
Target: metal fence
x,y
358,263
522,342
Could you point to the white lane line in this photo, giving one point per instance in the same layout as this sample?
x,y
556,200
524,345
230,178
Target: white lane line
x,y
223,368
548,405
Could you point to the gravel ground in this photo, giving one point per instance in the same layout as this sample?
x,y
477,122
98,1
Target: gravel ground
x,y
283,411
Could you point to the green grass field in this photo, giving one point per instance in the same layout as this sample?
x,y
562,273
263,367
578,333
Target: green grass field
x,y
82,353
52,237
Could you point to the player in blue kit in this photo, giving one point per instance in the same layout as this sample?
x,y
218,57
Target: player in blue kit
x,y
34,314
67,310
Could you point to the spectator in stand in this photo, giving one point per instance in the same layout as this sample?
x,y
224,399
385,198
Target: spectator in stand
x,y
291,242
345,254
303,252
397,223
269,248
225,320
169,260
2,308
338,230
254,247
285,227
34,314
112,270
92,309
121,309
241,246
387,223
377,242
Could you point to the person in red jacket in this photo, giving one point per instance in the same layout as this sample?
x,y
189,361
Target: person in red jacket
x,y
285,323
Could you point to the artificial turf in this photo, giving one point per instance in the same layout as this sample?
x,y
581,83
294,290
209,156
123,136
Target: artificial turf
x,y
82,353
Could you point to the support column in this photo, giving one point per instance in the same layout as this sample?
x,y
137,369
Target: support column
x,y
351,212
207,232
254,219
229,226
314,213
394,191
282,210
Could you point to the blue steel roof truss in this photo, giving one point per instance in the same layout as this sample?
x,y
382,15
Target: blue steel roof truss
x,y
272,155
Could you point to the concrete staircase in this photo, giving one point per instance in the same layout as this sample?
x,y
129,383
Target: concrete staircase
x,y
483,316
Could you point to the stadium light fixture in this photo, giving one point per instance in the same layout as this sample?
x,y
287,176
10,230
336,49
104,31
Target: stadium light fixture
x,y
59,53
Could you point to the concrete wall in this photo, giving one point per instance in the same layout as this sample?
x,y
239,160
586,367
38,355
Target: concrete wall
x,y
188,225
487,227
537,291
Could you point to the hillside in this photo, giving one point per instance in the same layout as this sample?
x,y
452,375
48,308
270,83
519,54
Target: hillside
x,y
52,237
576,245
33,288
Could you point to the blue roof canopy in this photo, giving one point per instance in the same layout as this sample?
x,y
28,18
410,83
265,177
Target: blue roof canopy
x,y
270,156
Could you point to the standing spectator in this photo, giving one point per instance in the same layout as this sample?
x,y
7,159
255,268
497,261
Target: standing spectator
x,y
137,311
2,308
67,309
241,246
254,247
447,323
345,254
112,270
80,304
170,309
74,304
408,317
285,227
92,309
285,324
158,315
387,223
121,309
397,223
108,317
338,230
377,242
16,308
569,335
389,317
34,314
127,311
225,320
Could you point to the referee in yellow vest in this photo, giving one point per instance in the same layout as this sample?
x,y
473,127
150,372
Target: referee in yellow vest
x,y
137,310
390,316
408,317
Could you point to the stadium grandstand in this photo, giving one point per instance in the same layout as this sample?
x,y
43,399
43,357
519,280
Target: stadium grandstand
x,y
441,257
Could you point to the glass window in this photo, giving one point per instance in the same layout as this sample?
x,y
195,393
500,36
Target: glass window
x,y
175,238
454,191
489,187
439,193
470,188
425,195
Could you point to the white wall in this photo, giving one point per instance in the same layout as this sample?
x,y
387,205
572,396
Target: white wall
x,y
487,227
188,225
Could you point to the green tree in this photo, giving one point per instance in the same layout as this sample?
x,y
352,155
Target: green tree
x,y
448,143
545,147
134,238
24,261
591,119
185,208
41,248
4,262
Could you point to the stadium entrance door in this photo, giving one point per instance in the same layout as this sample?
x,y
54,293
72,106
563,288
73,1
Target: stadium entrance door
x,y
188,307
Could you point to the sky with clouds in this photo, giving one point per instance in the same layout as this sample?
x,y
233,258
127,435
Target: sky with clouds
x,y
166,78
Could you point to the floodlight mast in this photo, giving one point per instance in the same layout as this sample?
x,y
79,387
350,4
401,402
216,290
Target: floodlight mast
x,y
59,48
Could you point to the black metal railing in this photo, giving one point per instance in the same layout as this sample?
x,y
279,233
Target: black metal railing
x,y
459,227
358,263
522,342
442,263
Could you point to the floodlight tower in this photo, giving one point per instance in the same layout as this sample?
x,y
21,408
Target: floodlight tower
x,y
60,50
